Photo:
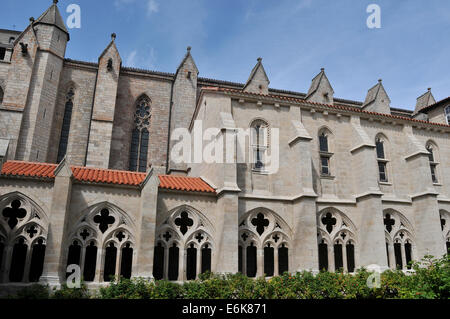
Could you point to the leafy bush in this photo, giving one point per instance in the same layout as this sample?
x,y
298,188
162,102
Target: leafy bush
x,y
429,278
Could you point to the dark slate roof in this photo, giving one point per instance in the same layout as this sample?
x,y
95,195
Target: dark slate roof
x,y
52,16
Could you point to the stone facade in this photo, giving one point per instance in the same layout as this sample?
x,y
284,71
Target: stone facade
x,y
343,205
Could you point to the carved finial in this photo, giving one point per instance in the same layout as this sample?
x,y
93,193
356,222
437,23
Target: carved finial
x,y
259,59
189,48
31,19
322,69
55,1
113,36
380,80
429,89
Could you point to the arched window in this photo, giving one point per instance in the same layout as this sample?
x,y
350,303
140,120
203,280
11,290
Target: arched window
x,y
382,159
140,135
1,95
447,114
325,153
336,246
259,144
445,226
104,230
23,230
433,159
399,240
183,245
64,139
261,230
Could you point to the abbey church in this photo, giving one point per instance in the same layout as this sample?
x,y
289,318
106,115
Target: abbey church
x,y
88,176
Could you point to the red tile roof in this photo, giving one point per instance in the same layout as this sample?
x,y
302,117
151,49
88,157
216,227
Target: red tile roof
x,y
340,107
105,176
183,183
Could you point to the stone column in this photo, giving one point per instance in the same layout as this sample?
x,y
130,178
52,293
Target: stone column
x,y
260,262
26,272
275,265
54,270
199,262
146,238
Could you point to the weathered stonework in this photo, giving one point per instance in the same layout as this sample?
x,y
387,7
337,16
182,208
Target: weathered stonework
x,y
297,217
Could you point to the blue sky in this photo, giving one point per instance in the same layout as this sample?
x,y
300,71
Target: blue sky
x,y
295,38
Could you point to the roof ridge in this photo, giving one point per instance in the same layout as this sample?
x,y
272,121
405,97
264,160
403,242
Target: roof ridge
x,y
348,108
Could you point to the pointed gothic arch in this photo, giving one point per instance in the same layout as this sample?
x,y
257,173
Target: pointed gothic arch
x,y
400,243
140,134
261,229
382,150
434,160
337,244
106,235
325,146
184,244
23,234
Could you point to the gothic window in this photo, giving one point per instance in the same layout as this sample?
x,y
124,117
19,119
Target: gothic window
x,y
1,95
158,262
263,230
2,53
381,159
140,135
338,258
74,255
323,256
25,230
110,262
268,260
283,259
433,162
191,262
251,260
206,258
19,256
37,260
324,152
127,261
103,240
447,114
184,245
64,139
399,240
336,243
174,256
90,262
259,144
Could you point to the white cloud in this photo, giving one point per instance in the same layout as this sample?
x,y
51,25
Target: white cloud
x,y
152,7
131,59
137,60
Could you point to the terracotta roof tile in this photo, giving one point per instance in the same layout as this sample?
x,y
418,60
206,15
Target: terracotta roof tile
x,y
105,176
183,183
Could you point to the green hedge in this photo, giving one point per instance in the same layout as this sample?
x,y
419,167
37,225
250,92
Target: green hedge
x,y
430,280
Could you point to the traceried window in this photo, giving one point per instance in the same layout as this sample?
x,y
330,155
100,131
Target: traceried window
x,y
105,232
259,144
140,135
184,246
263,231
336,241
64,139
324,152
399,240
433,162
23,233
447,114
381,159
